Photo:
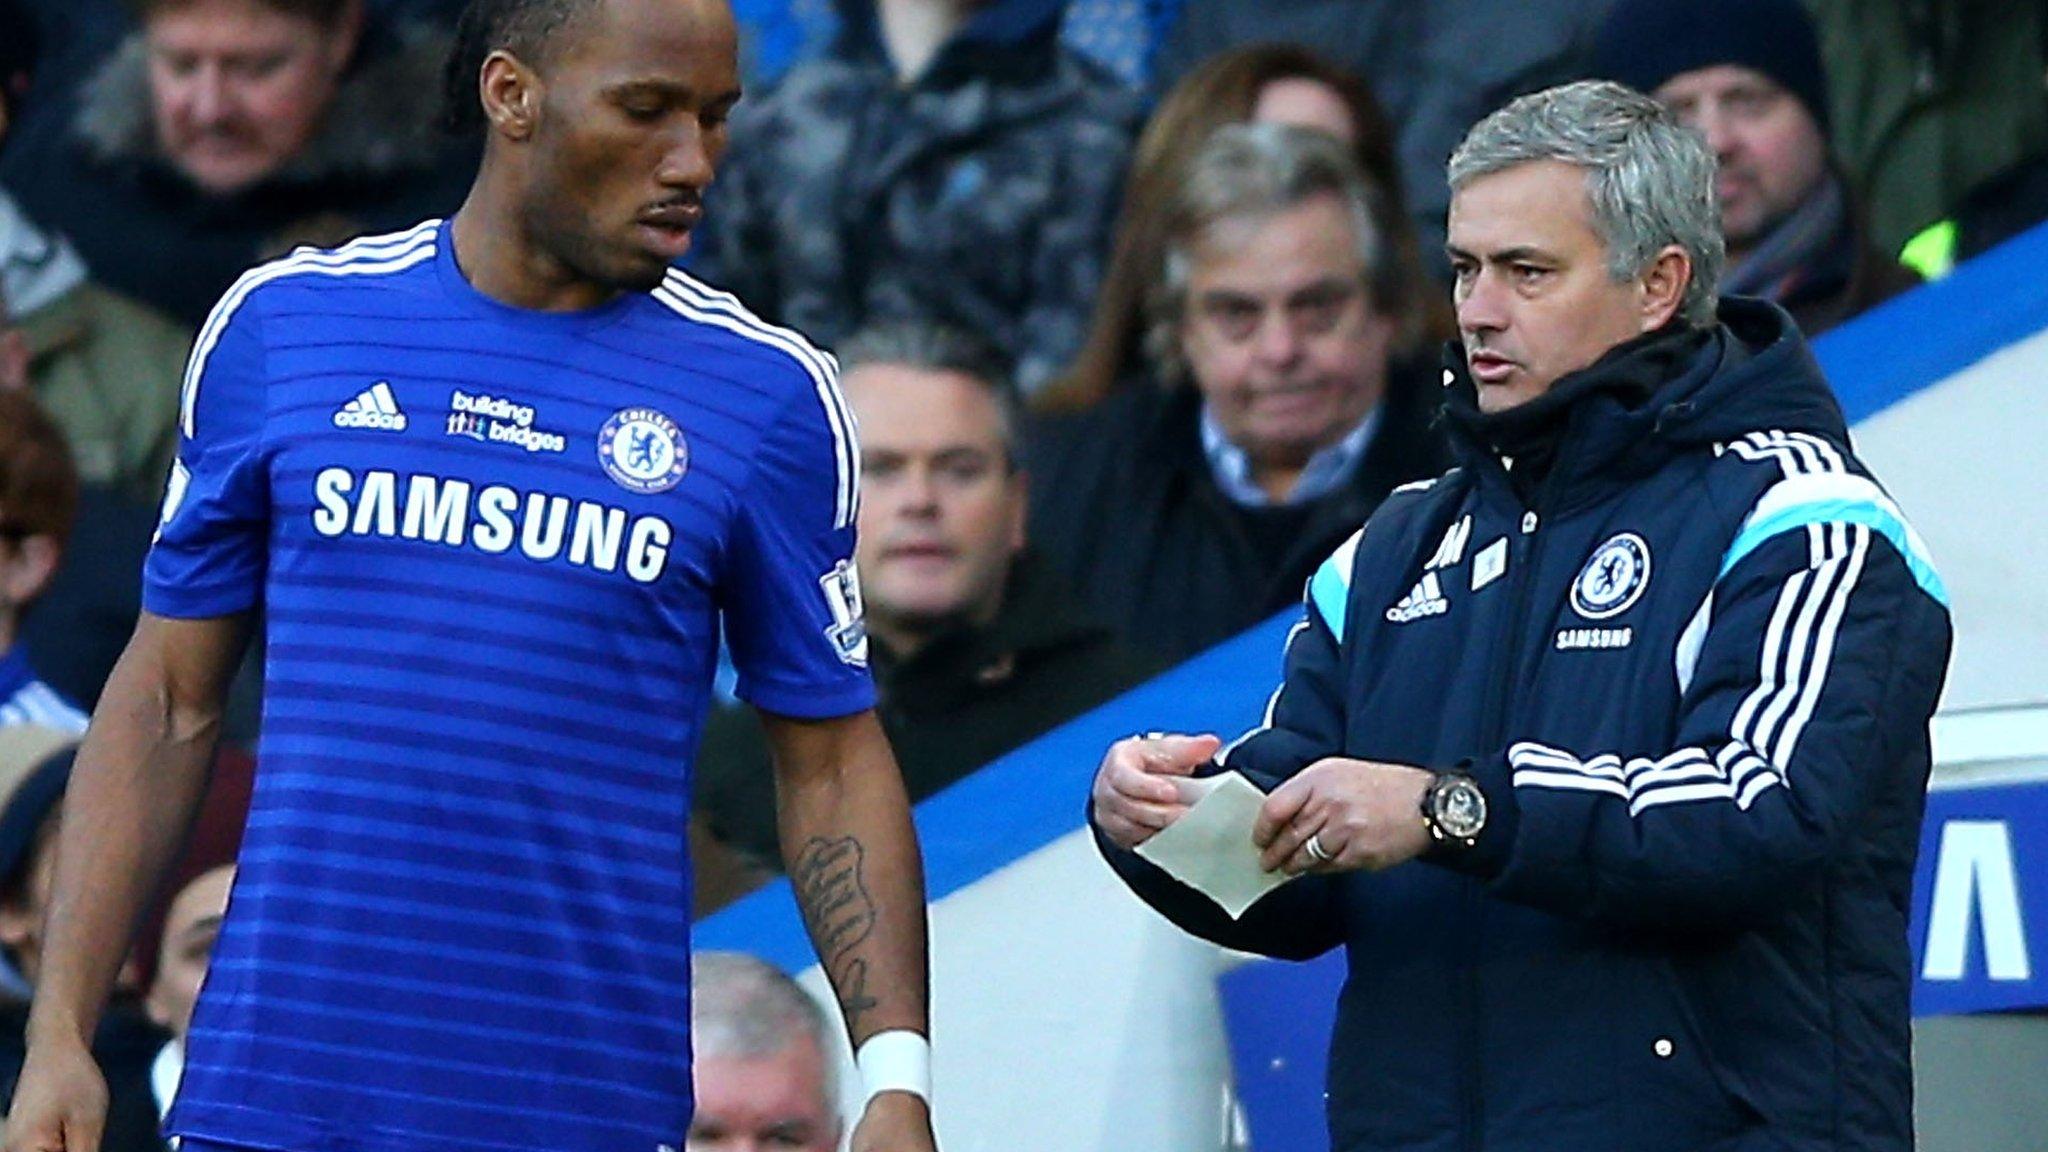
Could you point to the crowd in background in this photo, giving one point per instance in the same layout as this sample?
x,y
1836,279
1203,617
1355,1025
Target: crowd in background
x,y
1140,306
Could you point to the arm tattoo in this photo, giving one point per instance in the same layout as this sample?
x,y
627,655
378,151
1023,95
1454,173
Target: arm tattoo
x,y
831,889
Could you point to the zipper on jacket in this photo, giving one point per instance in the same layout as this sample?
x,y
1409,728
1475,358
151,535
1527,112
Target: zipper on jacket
x,y
1524,548
1472,1101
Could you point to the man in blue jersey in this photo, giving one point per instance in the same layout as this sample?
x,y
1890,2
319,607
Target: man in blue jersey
x,y
459,922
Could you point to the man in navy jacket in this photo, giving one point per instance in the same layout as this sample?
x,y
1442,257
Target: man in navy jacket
x,y
1604,755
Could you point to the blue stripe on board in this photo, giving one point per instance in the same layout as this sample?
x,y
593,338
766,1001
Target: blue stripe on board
x,y
1039,790
1933,332
1912,343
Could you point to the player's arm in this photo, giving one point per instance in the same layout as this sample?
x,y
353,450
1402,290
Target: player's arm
x,y
133,790
139,774
793,621
852,859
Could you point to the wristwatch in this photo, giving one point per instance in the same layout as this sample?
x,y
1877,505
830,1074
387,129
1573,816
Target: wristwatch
x,y
1454,810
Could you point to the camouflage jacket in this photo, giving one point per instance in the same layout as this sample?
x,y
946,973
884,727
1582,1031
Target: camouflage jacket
x,y
981,193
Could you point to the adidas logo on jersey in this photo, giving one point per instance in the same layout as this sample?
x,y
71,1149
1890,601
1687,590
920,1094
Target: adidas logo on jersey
x,y
1425,599
375,408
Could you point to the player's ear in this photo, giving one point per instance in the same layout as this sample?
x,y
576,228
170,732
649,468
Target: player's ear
x,y
510,92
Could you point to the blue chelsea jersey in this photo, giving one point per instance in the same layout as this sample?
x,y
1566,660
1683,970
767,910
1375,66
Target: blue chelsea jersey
x,y
492,549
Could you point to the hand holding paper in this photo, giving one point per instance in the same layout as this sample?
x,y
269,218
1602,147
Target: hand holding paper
x,y
1135,793
1210,848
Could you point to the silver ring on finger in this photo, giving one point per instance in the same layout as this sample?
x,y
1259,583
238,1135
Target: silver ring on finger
x,y
1314,847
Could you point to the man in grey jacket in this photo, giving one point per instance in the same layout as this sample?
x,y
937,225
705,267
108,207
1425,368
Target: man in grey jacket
x,y
945,161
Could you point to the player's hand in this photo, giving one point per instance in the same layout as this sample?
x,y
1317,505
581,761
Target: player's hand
x,y
1135,794
1362,814
895,1122
60,1102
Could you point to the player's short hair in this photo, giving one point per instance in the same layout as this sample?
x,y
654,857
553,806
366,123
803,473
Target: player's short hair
x,y
525,28
38,482
1649,178
746,1008
930,346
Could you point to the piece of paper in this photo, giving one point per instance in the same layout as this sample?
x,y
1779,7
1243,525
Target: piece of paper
x,y
1210,847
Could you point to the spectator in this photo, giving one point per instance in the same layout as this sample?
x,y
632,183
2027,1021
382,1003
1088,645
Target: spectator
x,y
175,946
764,1074
106,368
1275,415
1121,35
81,622
1990,214
1604,756
1436,68
1281,83
38,499
1931,98
225,131
1748,75
975,645
191,925
35,763
942,161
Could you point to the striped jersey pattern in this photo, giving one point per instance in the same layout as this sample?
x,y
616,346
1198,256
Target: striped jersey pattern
x,y
492,549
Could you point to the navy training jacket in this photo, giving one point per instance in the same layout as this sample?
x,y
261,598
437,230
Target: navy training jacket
x,y
1694,681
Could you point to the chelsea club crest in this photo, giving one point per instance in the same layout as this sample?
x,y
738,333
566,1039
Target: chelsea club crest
x,y
643,451
1613,578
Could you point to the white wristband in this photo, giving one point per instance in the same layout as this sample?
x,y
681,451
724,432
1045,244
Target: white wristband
x,y
898,1060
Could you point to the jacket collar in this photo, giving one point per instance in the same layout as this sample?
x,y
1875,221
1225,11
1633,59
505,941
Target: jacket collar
x,y
1649,399
1037,617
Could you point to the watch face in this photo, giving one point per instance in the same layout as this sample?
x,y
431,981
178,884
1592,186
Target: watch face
x,y
1460,809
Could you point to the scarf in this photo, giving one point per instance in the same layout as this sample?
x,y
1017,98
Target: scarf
x,y
1777,265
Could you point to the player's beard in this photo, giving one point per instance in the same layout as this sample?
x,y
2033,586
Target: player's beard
x,y
565,232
